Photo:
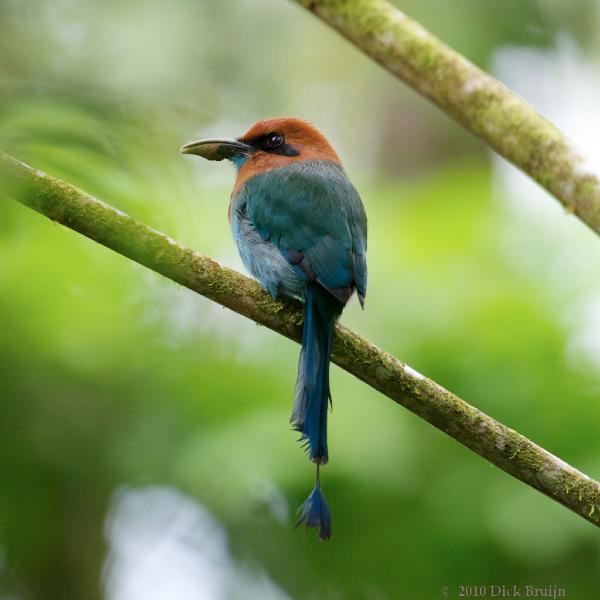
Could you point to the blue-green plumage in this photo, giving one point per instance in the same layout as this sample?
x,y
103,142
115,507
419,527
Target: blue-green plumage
x,y
301,230
312,214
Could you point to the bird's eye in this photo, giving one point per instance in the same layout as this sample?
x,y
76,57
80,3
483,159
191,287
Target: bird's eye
x,y
274,140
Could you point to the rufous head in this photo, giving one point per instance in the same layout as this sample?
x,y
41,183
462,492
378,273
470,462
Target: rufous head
x,y
268,144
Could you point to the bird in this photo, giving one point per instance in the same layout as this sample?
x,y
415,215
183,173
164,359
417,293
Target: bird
x,y
301,231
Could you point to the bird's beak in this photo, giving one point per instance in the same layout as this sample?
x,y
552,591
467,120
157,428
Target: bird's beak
x,y
217,149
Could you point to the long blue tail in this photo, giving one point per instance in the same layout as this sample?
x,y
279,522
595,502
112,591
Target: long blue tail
x,y
312,395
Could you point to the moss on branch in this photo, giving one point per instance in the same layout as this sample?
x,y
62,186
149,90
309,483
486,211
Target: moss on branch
x,y
500,445
476,100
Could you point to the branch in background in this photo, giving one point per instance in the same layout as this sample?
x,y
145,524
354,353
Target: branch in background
x,y
497,443
476,100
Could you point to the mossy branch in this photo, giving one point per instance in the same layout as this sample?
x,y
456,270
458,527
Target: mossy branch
x,y
497,443
476,100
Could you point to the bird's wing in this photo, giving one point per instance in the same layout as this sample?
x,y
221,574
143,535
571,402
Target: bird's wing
x,y
312,213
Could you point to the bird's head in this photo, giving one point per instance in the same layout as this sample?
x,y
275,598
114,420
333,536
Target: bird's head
x,y
268,144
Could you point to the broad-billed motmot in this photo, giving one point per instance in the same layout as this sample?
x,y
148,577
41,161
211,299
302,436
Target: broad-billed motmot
x,y
301,231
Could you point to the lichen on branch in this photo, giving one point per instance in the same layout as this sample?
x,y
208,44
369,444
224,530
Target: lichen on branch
x,y
497,443
468,94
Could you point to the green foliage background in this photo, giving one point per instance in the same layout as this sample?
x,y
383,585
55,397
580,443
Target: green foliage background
x,y
113,378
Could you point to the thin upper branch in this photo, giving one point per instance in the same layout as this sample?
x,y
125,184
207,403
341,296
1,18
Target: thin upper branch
x,y
497,443
476,100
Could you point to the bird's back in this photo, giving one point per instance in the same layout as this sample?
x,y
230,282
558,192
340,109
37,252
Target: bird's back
x,y
309,214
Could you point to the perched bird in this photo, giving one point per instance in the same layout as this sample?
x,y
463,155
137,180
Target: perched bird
x,y
301,231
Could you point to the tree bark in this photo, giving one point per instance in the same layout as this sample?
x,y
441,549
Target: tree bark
x,y
476,100
492,440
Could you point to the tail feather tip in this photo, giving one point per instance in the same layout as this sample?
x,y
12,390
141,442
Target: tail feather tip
x,y
315,513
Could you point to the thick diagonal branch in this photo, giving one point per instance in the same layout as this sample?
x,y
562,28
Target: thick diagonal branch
x,y
476,100
499,444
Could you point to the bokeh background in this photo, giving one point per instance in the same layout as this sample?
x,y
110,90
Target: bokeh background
x,y
145,451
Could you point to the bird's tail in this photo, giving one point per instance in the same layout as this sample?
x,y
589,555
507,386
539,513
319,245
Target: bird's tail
x,y
312,395
315,512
